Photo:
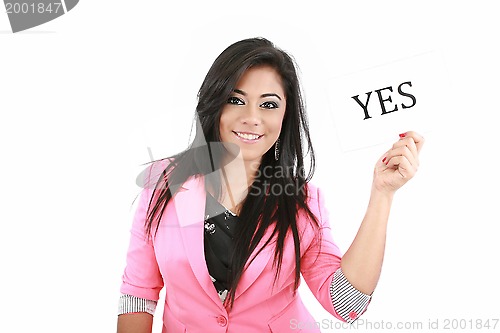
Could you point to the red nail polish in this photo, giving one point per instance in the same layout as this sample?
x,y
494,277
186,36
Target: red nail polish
x,y
402,135
384,159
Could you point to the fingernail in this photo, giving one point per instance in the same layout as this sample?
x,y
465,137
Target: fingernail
x,y
402,135
384,159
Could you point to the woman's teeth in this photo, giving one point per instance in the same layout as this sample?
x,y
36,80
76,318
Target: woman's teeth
x,y
247,136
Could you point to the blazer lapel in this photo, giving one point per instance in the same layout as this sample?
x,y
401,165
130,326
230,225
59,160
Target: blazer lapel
x,y
190,206
253,270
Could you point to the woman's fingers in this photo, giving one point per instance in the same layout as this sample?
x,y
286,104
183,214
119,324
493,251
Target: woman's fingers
x,y
402,165
407,142
403,156
408,145
417,138
402,151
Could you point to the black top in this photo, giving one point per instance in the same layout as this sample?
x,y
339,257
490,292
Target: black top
x,y
218,242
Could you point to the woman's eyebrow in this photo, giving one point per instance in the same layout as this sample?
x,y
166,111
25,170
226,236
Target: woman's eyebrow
x,y
241,92
270,95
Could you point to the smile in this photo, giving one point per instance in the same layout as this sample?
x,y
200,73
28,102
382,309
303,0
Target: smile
x,y
248,137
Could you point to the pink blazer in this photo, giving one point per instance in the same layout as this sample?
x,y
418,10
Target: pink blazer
x,y
175,260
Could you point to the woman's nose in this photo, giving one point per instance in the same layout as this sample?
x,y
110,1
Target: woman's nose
x,y
251,116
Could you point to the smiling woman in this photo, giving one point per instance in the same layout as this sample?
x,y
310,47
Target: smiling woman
x,y
229,225
254,113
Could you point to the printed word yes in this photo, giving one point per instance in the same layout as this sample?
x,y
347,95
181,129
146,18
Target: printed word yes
x,y
387,99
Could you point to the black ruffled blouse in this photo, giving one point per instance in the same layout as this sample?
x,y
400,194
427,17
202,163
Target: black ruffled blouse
x,y
220,224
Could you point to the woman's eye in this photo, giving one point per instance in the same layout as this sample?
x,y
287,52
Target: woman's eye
x,y
269,105
235,101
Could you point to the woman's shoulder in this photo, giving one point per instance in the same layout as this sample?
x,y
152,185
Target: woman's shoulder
x,y
315,200
312,198
313,192
153,171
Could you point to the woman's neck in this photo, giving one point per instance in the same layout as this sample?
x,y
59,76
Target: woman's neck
x,y
236,178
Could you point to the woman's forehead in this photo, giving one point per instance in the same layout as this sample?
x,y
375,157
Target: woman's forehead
x,y
262,79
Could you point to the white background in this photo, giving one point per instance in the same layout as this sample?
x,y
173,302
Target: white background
x,y
83,96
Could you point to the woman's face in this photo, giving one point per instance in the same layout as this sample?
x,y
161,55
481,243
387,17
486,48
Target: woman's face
x,y
254,112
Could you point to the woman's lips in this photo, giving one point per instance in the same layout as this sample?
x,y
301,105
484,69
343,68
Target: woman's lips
x,y
248,137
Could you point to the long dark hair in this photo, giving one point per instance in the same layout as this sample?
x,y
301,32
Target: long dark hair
x,y
262,207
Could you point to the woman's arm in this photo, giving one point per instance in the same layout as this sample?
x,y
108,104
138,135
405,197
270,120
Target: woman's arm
x,y
362,262
135,323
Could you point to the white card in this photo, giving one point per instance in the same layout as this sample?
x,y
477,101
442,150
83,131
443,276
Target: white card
x,y
366,112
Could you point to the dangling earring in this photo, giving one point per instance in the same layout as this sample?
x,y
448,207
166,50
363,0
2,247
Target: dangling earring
x,y
277,149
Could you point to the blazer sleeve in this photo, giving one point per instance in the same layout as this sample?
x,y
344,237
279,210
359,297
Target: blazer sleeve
x,y
142,277
320,268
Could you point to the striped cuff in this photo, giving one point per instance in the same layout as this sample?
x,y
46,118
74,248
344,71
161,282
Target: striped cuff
x,y
348,302
129,304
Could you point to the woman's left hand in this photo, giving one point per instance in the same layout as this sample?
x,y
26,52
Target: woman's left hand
x,y
399,164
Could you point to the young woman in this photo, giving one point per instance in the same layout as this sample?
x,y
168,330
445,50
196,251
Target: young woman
x,y
230,224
